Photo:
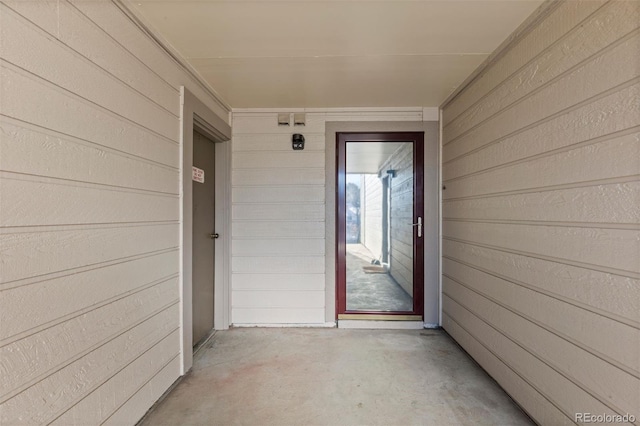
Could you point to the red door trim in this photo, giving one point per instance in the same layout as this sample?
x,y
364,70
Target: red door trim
x,y
418,210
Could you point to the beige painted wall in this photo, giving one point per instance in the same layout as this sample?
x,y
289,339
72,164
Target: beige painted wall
x,y
541,159
89,214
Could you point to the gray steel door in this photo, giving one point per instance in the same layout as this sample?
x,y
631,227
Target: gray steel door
x,y
203,237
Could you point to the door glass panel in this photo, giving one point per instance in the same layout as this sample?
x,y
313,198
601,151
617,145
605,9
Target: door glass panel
x,y
379,197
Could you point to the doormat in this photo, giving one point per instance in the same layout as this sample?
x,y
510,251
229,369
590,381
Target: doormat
x,y
374,269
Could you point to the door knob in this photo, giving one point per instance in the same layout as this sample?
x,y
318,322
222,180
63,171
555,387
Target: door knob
x,y
214,236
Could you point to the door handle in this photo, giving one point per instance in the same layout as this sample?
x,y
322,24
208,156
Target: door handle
x,y
214,236
419,225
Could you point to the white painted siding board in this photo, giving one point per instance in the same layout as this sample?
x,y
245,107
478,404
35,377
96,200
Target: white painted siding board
x,y
279,282
586,370
34,51
22,147
92,103
49,301
274,142
278,265
598,334
372,214
310,212
29,360
138,404
567,395
597,32
270,177
605,160
114,22
100,404
604,248
29,203
81,34
598,119
561,21
608,204
278,220
278,194
608,295
540,228
23,96
595,77
282,247
278,316
278,229
33,253
415,115
532,401
42,13
67,386
278,299
267,123
277,160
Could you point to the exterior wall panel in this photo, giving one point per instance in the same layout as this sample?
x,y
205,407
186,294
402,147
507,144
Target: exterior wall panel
x,y
283,210
278,225
541,163
89,213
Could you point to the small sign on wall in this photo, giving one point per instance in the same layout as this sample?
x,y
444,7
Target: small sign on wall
x,y
198,175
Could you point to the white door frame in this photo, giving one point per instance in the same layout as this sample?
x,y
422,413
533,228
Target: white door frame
x,y
195,114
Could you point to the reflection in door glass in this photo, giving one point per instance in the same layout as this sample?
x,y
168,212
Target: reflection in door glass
x,y
379,216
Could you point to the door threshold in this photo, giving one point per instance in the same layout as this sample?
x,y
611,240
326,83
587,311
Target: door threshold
x,y
380,317
377,324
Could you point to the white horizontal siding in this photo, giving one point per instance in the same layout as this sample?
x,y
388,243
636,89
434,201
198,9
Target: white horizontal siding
x,y
278,229
90,288
282,211
278,299
35,252
92,204
22,100
79,160
112,21
43,354
33,50
275,142
540,221
89,176
99,406
595,77
536,41
310,211
289,315
278,282
278,247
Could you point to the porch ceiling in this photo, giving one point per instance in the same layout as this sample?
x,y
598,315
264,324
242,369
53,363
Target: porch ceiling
x,y
333,53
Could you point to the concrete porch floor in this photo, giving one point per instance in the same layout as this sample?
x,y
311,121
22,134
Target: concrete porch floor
x,y
266,376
